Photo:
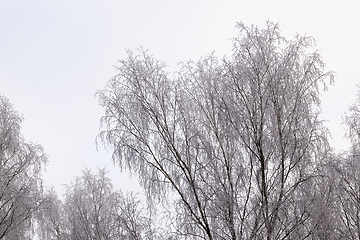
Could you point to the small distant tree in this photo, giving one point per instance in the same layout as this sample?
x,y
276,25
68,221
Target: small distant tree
x,y
51,218
95,211
133,221
238,142
20,170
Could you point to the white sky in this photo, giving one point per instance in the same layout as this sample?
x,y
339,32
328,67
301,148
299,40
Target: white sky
x,y
54,55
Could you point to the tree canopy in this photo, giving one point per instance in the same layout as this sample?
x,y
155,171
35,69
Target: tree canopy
x,y
224,148
237,140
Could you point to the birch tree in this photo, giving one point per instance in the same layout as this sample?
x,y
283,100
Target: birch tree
x,y
237,141
89,206
95,211
348,170
274,108
20,171
51,218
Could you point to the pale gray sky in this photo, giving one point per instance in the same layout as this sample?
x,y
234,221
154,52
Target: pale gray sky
x,y
54,55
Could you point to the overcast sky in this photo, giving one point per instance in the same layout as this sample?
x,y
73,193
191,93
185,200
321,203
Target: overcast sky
x,y
54,56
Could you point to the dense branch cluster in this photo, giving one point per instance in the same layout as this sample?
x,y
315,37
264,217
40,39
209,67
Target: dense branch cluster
x,y
224,149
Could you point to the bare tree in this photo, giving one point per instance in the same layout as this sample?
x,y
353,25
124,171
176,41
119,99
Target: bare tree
x,y
147,125
237,142
273,107
94,211
133,221
51,218
89,206
348,170
20,183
